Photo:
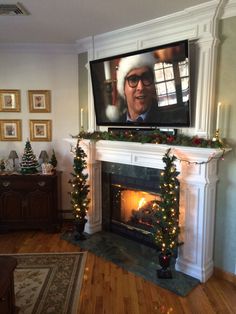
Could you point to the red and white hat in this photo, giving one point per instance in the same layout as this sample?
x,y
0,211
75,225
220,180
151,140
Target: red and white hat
x,y
132,62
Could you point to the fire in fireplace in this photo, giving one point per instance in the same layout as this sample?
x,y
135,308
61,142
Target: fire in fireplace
x,y
130,196
134,208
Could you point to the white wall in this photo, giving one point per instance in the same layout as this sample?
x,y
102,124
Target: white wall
x,y
225,243
55,71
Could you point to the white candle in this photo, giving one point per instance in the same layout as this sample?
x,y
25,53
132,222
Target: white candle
x,y
82,117
218,115
107,70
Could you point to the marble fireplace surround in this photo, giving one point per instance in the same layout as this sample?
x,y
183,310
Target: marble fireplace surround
x,y
198,181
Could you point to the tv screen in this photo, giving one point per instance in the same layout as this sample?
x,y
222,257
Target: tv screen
x,y
149,88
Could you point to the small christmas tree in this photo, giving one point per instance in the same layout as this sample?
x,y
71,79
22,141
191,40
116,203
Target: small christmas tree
x,y
80,190
2,165
29,162
167,214
53,160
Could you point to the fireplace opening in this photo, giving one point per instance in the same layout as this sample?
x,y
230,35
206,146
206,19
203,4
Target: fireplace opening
x,y
129,197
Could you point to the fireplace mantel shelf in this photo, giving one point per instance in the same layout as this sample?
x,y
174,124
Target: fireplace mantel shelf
x,y
198,179
150,155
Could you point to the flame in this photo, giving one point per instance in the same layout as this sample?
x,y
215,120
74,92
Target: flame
x,y
142,202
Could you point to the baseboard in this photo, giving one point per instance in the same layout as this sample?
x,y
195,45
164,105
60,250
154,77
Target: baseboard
x,y
219,273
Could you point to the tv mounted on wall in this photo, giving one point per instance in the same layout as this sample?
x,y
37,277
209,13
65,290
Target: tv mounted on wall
x,y
146,88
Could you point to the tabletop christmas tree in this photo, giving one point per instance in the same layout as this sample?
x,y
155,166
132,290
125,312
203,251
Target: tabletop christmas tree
x,y
29,163
53,160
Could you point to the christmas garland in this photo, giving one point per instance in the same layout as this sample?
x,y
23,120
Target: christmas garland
x,y
151,137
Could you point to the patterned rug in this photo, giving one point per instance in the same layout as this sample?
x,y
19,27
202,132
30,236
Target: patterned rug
x,y
134,257
49,282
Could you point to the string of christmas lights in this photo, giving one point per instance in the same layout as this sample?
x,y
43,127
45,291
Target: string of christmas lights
x,y
212,156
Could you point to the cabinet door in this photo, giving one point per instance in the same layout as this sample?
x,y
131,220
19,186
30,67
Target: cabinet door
x,y
39,206
11,206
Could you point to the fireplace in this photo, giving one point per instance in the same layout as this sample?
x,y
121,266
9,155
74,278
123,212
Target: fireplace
x,y
198,179
129,197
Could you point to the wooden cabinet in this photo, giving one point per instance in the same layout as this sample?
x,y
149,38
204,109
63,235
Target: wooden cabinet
x,y
30,201
7,294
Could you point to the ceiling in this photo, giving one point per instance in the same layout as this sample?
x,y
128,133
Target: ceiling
x,y
65,21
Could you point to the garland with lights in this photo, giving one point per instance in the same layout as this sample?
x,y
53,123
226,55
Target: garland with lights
x,y
167,209
80,190
157,137
151,137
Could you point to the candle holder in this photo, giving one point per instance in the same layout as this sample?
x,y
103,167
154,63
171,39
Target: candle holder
x,y
217,138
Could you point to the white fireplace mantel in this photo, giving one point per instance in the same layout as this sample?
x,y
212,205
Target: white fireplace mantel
x,y
198,180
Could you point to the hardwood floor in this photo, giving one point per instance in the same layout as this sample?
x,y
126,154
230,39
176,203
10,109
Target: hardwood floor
x,y
108,289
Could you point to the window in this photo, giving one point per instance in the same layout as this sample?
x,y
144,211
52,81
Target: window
x,y
172,82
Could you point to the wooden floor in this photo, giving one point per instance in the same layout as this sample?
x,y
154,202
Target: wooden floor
x,y
109,289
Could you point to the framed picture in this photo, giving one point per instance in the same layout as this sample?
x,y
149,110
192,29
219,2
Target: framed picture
x,y
39,100
10,100
41,130
10,130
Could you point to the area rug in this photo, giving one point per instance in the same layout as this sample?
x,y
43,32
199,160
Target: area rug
x,y
48,283
134,257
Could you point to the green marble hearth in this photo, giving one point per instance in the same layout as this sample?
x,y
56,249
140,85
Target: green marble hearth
x,y
134,257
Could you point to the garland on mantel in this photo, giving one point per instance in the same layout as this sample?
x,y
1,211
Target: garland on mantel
x,y
156,137
151,137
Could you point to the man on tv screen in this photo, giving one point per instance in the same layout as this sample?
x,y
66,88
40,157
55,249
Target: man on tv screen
x,y
136,85
146,88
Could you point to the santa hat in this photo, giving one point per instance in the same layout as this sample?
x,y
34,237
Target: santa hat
x,y
132,62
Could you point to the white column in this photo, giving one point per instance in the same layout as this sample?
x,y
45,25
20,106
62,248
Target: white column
x,y
197,216
94,215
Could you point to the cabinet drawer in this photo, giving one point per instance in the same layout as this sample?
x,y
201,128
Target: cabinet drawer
x,y
26,183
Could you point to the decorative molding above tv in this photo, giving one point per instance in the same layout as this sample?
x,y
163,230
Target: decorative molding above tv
x,y
199,25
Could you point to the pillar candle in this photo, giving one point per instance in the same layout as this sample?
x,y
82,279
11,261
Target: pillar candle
x,y
82,117
218,115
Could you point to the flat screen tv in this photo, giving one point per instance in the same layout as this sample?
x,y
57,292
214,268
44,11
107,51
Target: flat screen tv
x,y
146,88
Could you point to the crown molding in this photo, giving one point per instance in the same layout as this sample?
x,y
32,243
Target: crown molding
x,y
230,9
84,44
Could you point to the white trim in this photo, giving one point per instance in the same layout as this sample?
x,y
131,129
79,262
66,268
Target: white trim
x,y
230,9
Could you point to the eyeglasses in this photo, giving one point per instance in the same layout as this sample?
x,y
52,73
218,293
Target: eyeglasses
x,y
146,78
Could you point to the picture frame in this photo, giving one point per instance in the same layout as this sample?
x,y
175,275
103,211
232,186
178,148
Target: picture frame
x,y
10,100
11,130
40,130
39,100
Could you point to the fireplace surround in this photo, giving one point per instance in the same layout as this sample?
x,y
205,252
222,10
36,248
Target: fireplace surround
x,y
198,181
129,194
